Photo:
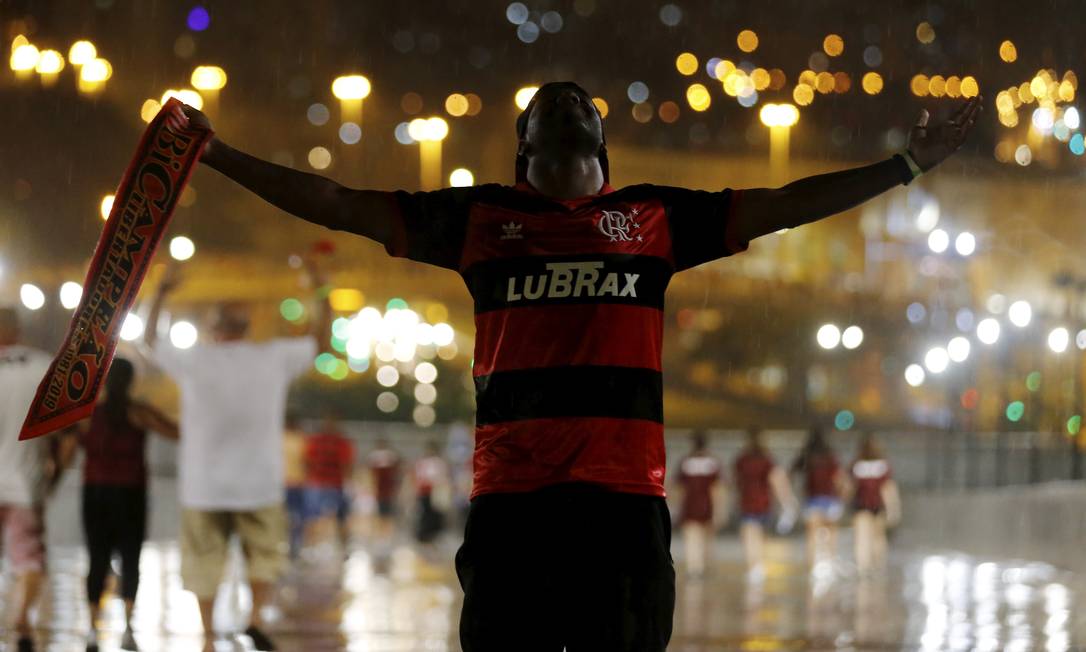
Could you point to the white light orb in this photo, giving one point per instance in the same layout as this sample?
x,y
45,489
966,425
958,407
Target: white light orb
x,y
388,376
988,331
426,373
443,334
965,244
1058,339
31,296
132,328
958,349
1020,313
183,335
182,248
938,241
70,294
853,337
914,375
936,360
828,336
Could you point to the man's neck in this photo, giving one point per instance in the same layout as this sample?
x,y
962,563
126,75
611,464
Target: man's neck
x,y
568,178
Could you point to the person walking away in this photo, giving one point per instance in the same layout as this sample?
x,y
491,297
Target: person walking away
x,y
115,490
702,500
876,502
758,479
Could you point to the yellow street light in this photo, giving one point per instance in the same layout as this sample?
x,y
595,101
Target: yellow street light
x,y
94,74
50,63
106,206
82,52
350,90
209,80
186,95
780,118
524,96
429,133
24,59
150,109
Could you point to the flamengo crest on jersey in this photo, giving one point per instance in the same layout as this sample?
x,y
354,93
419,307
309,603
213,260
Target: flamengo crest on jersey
x,y
616,225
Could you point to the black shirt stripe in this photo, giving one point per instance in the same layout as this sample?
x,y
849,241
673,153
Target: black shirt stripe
x,y
564,392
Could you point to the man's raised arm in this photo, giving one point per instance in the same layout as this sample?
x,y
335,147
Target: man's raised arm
x,y
761,211
316,199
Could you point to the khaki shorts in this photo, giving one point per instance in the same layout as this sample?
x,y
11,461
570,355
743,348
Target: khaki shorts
x,y
205,539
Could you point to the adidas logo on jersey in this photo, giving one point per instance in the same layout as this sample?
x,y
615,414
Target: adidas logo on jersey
x,y
561,280
512,231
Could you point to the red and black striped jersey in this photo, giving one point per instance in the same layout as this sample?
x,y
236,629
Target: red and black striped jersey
x,y
569,299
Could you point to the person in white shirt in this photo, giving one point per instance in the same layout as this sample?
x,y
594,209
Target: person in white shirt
x,y
27,472
233,403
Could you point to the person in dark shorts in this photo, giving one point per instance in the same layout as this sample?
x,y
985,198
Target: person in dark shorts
x,y
758,479
115,490
824,484
701,487
876,503
567,539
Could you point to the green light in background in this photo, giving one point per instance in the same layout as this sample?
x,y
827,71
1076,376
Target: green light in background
x,y
396,303
339,370
325,363
1074,424
1033,381
338,344
291,309
844,420
339,328
1015,411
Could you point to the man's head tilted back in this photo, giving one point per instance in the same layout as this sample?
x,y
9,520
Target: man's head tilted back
x,y
560,122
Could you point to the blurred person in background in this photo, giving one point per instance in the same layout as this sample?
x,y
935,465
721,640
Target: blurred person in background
x,y
823,483
432,493
877,503
28,472
568,277
385,467
757,480
114,441
701,494
294,479
329,467
231,475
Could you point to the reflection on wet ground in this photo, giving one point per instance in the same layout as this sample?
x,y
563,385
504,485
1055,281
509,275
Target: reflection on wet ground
x,y
401,601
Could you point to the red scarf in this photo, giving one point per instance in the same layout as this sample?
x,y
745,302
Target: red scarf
x,y
141,211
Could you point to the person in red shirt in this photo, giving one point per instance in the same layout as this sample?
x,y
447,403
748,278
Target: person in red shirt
x,y
385,467
115,490
875,499
329,465
757,480
823,482
568,537
701,489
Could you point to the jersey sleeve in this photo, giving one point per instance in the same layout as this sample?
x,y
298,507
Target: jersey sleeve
x,y
701,224
432,225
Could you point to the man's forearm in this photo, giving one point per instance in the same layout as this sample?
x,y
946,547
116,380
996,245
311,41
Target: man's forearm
x,y
311,197
806,200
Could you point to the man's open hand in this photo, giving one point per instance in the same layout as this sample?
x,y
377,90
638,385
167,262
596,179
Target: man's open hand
x,y
929,145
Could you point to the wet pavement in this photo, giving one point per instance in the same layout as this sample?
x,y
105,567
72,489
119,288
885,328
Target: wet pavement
x,y
401,601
